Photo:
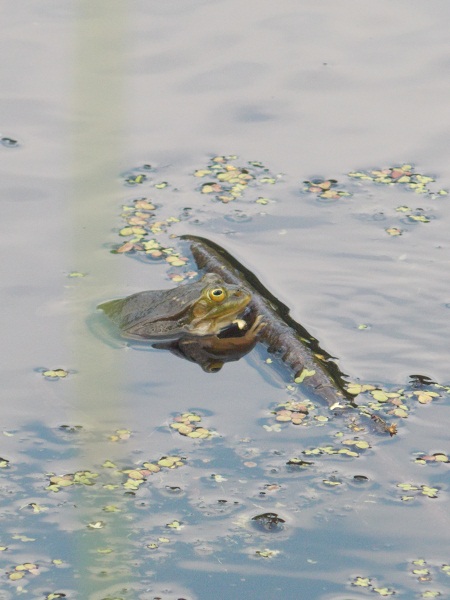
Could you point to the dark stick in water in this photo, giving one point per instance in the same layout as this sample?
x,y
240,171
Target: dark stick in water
x,y
298,349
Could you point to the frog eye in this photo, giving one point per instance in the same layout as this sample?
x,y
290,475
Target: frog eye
x,y
217,294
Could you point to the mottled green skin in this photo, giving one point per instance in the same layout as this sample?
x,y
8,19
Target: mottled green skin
x,y
185,310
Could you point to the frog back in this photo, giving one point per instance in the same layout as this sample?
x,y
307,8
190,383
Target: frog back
x,y
154,313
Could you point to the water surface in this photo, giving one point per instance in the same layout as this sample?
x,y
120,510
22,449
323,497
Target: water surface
x,y
91,92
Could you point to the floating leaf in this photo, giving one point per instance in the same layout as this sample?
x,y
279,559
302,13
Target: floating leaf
x,y
37,508
331,482
143,204
23,538
136,231
425,397
120,435
379,396
362,582
175,525
55,373
438,457
177,261
348,452
170,462
136,179
361,444
356,388
127,247
210,188
111,508
407,486
394,231
384,591
266,553
419,218
96,525
429,491
304,374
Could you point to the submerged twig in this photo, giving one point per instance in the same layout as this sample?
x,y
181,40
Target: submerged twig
x,y
297,348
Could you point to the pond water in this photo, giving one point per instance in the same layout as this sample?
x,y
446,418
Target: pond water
x,y
93,95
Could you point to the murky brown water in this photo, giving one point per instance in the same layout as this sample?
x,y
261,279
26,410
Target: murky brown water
x,y
91,91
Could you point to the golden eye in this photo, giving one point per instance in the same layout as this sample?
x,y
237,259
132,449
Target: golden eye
x,y
217,294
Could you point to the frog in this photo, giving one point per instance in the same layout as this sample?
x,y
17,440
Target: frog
x,y
202,308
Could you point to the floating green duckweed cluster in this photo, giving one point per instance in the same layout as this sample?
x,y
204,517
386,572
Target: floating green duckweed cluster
x,y
325,188
22,570
366,582
420,570
136,477
78,478
120,435
404,175
141,223
293,412
393,403
424,572
160,540
228,182
425,490
188,424
437,457
351,451
143,226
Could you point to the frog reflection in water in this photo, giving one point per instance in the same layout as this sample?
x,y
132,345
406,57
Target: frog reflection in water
x,y
205,321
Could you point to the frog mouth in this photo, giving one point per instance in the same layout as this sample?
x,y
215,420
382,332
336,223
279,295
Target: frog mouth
x,y
240,325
